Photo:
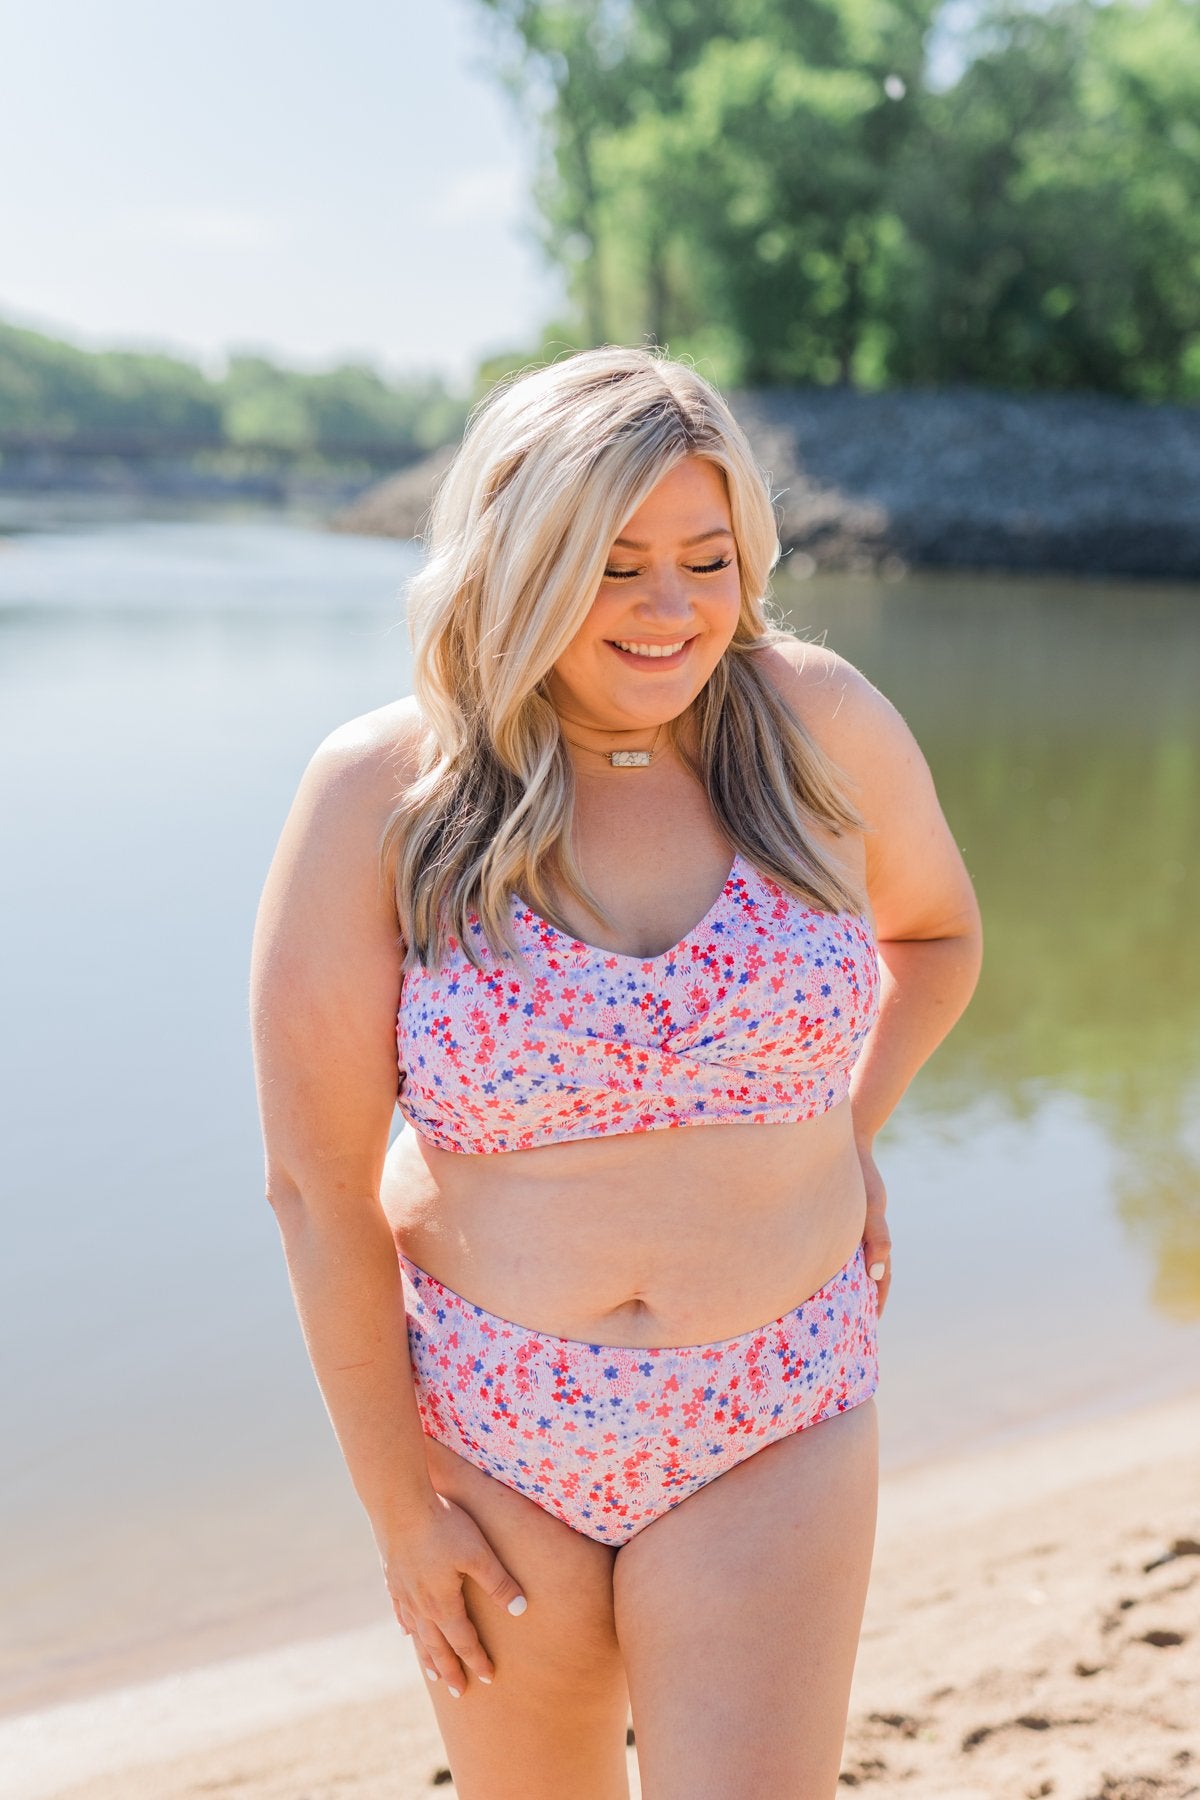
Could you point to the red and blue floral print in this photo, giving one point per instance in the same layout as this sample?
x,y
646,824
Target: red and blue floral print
x,y
608,1438
757,1016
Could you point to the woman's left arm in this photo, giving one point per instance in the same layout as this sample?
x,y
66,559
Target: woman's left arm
x,y
927,921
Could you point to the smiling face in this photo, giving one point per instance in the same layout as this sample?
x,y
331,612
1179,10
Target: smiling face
x,y
663,617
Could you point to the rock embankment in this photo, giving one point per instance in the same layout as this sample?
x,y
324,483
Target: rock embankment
x,y
950,478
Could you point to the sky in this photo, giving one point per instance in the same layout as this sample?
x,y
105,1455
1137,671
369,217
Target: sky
x,y
314,181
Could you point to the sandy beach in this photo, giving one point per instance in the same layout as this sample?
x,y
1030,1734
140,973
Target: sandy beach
x,y
1033,1630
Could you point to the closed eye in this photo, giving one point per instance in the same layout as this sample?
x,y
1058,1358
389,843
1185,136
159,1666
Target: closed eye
x,y
711,568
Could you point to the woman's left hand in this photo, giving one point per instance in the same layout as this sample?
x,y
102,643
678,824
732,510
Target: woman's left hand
x,y
876,1239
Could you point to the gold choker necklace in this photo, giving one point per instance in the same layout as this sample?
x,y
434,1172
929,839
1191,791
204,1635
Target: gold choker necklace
x,y
620,759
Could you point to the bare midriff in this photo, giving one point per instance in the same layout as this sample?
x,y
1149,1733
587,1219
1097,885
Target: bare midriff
x,y
684,1235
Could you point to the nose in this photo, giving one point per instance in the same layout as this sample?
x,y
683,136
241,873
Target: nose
x,y
665,599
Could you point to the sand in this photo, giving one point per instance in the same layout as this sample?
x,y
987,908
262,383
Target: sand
x,y
1033,1629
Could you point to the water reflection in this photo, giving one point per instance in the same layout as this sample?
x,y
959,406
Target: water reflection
x,y
1062,728
1157,1194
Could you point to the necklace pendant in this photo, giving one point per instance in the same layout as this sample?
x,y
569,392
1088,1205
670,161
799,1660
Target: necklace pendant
x,y
629,759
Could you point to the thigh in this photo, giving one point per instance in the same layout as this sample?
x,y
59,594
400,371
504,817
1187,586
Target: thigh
x,y
553,1721
738,1615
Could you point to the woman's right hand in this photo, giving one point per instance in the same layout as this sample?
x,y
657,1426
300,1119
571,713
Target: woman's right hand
x,y
424,1564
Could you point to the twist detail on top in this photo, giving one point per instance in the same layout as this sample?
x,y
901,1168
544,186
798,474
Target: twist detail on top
x,y
758,1016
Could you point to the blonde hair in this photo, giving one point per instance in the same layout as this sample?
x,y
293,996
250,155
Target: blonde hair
x,y
553,463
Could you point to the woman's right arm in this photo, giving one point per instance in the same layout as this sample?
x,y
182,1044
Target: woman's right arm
x,y
325,985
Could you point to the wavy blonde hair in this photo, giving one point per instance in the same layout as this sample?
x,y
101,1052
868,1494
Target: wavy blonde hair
x,y
552,464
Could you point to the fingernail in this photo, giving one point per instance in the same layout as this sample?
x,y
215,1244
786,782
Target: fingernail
x,y
486,1680
876,1271
457,1692
432,1674
518,1605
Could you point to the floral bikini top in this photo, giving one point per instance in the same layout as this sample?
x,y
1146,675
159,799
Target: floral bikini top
x,y
756,1016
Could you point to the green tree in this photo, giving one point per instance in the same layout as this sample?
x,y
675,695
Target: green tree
x,y
774,187
1050,235
335,410
261,404
735,158
57,389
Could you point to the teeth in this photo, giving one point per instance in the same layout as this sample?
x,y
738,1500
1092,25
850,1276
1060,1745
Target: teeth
x,y
650,649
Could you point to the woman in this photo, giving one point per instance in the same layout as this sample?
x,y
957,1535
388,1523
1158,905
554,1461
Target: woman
x,y
597,1334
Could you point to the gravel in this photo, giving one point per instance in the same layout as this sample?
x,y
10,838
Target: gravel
x,y
943,478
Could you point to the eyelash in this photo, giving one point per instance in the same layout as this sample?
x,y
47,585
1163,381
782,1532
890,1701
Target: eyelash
x,y
704,569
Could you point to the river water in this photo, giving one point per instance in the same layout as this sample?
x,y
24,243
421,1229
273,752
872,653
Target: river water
x,y
171,1490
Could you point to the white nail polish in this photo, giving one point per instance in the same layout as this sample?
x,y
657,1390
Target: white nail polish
x,y
457,1692
432,1674
876,1271
518,1605
486,1680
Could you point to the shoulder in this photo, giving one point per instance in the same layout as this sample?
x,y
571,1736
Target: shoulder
x,y
916,878
324,896
349,790
367,763
847,716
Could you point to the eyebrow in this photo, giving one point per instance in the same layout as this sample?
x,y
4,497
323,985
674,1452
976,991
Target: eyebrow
x,y
701,537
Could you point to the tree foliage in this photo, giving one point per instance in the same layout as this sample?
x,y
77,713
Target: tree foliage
x,y
776,187
52,389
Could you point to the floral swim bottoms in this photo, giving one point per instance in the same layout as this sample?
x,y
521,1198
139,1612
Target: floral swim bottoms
x,y
608,1438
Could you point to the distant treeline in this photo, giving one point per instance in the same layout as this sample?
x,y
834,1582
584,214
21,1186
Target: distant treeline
x,y
54,392
777,189
774,186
